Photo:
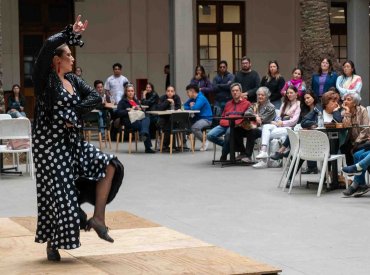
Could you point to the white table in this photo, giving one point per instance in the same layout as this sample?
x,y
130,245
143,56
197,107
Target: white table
x,y
169,112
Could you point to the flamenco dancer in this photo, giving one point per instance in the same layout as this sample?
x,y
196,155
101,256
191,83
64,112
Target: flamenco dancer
x,y
69,171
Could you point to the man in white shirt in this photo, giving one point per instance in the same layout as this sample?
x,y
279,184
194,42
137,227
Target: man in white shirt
x,y
115,84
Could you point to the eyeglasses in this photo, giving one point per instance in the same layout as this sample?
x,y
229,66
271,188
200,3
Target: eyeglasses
x,y
222,67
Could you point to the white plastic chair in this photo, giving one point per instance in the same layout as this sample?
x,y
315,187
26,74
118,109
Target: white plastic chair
x,y
7,116
19,128
314,145
291,159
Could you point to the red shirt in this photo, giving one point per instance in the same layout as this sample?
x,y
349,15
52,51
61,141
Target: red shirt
x,y
233,108
132,103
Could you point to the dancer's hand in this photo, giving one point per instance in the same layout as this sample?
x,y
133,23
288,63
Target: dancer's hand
x,y
78,26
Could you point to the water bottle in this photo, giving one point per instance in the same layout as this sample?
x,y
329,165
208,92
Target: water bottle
x,y
320,120
172,106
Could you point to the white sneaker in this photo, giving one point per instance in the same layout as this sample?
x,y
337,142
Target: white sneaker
x,y
204,147
262,155
260,165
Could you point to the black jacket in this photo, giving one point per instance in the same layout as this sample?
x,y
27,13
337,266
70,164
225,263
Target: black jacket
x,y
151,100
122,111
164,104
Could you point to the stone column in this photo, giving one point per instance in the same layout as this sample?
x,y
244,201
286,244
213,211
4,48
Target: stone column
x,y
182,28
358,42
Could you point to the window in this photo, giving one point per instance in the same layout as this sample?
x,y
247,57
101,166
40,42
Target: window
x,y
38,20
221,34
338,29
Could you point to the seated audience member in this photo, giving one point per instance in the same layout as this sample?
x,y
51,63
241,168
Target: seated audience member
x,y
308,120
289,115
308,104
16,102
127,104
274,82
324,79
221,85
235,107
150,98
361,157
296,81
248,78
264,112
197,101
353,115
78,71
201,80
349,82
167,102
103,113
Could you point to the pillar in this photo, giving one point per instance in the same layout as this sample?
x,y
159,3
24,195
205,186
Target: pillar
x,y
358,42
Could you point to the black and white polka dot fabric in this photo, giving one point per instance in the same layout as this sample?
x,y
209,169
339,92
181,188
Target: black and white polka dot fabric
x,y
61,156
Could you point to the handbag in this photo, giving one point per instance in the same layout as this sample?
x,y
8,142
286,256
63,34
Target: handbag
x,y
18,144
135,115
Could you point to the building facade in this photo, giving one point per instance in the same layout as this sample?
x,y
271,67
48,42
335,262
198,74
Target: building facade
x,y
145,35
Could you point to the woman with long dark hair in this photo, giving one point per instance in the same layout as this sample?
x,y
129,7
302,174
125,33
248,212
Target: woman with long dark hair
x,y
16,102
274,81
201,80
69,171
324,79
296,81
349,81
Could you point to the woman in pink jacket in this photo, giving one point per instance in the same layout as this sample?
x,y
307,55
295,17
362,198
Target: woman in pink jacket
x,y
288,118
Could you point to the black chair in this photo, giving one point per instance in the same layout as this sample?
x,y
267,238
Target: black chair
x,y
179,125
91,124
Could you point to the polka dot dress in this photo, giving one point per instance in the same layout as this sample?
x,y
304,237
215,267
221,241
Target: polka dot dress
x,y
61,157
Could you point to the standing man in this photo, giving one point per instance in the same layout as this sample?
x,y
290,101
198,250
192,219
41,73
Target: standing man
x,y
166,71
197,101
235,107
115,84
221,85
249,79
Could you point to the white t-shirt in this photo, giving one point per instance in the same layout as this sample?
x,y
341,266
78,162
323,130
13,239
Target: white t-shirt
x,y
327,117
115,86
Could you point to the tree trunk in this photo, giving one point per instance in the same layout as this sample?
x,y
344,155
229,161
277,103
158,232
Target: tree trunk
x,y
315,37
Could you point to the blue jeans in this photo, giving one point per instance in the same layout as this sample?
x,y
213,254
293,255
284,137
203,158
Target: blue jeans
x,y
101,122
362,158
215,136
143,127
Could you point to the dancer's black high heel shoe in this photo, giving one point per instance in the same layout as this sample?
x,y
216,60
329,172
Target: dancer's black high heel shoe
x,y
101,230
83,219
52,254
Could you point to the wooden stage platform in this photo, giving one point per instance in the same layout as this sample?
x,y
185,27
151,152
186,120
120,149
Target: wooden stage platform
x,y
140,247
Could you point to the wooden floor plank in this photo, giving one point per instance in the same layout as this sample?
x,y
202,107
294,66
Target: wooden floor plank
x,y
21,255
9,228
196,260
135,240
140,247
114,220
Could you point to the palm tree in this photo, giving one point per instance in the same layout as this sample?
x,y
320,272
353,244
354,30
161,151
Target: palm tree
x,y
315,37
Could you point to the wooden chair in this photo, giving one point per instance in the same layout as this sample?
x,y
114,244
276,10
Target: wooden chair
x,y
91,124
121,134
